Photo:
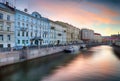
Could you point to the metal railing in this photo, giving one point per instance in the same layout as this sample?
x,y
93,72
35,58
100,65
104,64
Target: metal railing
x,y
45,46
5,49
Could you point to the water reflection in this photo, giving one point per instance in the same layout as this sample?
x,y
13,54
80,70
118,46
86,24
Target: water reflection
x,y
34,70
96,64
101,65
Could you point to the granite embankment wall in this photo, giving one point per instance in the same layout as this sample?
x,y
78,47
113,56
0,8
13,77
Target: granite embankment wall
x,y
12,57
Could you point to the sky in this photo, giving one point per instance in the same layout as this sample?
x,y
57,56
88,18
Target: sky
x,y
103,16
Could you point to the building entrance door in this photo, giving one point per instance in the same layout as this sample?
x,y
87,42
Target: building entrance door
x,y
58,42
8,45
36,42
1,45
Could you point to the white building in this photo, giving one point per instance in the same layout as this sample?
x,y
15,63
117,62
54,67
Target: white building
x,y
31,29
6,26
57,34
87,35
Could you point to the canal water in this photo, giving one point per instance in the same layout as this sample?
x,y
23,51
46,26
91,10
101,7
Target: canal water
x,y
95,64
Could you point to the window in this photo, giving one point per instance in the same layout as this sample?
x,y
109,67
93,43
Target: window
x,y
27,25
8,45
22,33
1,37
8,28
27,19
18,16
1,16
35,34
43,35
23,18
1,45
26,33
8,17
59,34
23,41
1,26
18,33
22,24
18,23
18,41
36,16
26,41
31,34
31,20
8,37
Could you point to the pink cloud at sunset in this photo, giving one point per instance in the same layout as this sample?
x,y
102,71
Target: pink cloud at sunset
x,y
80,14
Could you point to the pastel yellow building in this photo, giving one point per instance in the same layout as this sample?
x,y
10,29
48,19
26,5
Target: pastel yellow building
x,y
73,33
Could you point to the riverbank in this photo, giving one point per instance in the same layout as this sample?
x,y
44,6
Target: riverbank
x,y
12,57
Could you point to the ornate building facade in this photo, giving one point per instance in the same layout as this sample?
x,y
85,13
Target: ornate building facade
x,y
6,26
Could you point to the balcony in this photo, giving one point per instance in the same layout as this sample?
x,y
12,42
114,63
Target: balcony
x,y
23,29
3,31
8,21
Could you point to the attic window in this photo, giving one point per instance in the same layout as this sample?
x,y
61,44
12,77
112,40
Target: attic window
x,y
36,16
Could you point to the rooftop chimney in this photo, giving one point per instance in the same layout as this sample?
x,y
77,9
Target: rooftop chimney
x,y
7,3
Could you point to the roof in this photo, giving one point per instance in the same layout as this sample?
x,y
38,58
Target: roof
x,y
87,29
7,8
36,14
97,34
30,15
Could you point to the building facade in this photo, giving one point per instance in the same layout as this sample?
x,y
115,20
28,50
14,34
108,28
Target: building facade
x,y
87,35
6,26
77,35
31,29
19,28
115,37
97,38
42,30
73,33
57,34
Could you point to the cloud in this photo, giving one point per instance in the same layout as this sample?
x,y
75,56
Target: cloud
x,y
81,13
75,12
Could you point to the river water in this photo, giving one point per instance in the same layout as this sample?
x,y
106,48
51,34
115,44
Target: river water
x,y
95,64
